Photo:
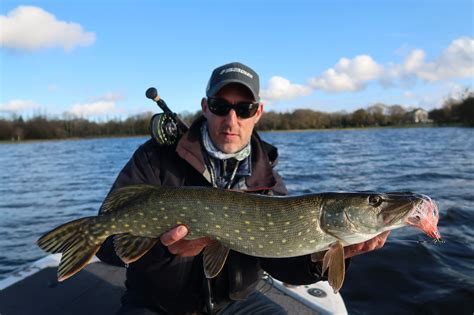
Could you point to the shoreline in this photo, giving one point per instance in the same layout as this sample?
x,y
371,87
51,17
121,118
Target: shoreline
x,y
260,131
70,139
358,128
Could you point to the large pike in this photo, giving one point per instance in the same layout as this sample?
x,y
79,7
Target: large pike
x,y
252,224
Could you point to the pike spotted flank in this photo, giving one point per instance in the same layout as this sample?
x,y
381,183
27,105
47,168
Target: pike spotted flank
x,y
257,225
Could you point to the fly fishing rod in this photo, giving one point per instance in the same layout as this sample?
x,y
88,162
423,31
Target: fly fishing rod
x,y
166,128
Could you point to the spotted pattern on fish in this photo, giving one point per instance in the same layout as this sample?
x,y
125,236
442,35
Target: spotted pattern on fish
x,y
256,225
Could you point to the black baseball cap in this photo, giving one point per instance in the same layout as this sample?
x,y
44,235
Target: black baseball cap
x,y
234,72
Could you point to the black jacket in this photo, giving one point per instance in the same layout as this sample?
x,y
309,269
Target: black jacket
x,y
177,284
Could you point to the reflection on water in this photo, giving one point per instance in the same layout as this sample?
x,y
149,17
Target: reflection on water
x,y
43,184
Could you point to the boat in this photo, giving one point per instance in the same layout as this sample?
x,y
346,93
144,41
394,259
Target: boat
x,y
97,289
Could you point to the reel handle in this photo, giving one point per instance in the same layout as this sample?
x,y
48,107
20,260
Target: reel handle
x,y
152,94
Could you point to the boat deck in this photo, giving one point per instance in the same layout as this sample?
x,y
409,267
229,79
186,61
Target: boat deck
x,y
95,290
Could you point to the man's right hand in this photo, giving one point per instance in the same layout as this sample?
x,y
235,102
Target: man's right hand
x,y
177,245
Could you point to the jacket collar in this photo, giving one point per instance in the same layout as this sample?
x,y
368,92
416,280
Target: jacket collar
x,y
264,156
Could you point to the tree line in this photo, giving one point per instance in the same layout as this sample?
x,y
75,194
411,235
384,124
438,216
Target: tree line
x,y
377,115
42,127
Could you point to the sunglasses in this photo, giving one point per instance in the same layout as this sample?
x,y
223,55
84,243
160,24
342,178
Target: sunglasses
x,y
222,107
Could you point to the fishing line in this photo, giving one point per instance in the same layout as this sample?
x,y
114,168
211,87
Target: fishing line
x,y
424,241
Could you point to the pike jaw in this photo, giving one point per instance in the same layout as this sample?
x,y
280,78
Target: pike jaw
x,y
356,217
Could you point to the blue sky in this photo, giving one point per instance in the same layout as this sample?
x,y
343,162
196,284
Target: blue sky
x,y
96,58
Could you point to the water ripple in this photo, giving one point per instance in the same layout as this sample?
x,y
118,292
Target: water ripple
x,y
44,184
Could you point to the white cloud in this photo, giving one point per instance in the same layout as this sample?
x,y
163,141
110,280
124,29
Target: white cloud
x,y
15,106
103,105
405,72
348,75
282,89
99,108
32,28
456,91
413,62
456,61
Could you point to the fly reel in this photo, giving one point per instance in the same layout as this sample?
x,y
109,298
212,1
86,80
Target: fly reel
x,y
166,128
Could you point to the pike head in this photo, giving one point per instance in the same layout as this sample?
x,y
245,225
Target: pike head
x,y
357,217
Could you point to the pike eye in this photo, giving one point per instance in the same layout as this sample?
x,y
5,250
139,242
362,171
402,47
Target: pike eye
x,y
375,201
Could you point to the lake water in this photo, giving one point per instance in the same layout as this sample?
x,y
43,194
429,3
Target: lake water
x,y
43,184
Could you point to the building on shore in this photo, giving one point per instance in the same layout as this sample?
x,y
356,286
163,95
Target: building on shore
x,y
418,116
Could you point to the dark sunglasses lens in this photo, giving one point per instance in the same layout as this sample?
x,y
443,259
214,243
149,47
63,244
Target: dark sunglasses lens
x,y
246,110
221,107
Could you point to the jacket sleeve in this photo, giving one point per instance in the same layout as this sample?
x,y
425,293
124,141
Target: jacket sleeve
x,y
279,189
294,270
138,170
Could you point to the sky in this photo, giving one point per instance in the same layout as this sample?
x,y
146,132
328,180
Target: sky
x,y
95,59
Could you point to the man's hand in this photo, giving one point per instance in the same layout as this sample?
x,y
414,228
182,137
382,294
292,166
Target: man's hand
x,y
367,246
173,239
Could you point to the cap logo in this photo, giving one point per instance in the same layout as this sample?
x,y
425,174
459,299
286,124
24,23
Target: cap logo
x,y
223,71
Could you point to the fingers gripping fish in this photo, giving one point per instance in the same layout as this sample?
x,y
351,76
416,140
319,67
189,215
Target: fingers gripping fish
x,y
257,225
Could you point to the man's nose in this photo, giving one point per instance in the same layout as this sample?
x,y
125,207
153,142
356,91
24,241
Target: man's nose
x,y
231,116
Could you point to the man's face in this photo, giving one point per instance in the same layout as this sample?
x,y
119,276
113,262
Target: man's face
x,y
230,133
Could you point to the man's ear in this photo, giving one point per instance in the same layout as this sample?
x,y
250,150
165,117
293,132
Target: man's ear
x,y
259,113
204,107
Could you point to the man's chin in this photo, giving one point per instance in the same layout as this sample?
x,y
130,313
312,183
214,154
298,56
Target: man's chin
x,y
229,144
229,148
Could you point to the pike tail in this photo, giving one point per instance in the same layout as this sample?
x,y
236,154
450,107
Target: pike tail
x,y
71,239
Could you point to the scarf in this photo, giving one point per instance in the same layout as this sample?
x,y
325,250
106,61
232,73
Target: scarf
x,y
223,167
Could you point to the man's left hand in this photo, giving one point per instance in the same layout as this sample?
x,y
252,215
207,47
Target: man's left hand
x,y
367,246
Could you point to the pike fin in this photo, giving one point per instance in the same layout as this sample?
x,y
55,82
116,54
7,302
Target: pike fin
x,y
130,248
214,257
72,240
121,196
334,261
57,240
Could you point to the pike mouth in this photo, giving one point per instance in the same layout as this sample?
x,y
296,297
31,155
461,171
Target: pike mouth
x,y
425,216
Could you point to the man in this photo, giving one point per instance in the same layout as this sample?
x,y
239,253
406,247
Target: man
x,y
221,149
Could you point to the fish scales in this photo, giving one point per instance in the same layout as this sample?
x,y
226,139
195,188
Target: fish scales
x,y
252,224
257,225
